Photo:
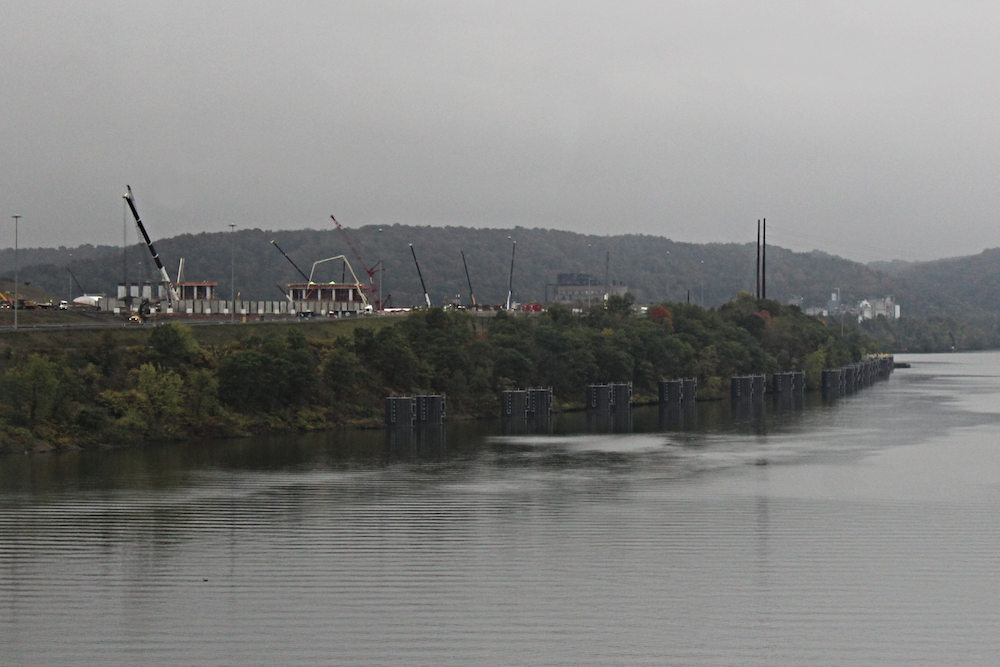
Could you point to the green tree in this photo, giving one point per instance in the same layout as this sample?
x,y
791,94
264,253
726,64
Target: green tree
x,y
173,344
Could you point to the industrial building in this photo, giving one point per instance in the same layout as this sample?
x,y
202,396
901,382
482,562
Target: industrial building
x,y
866,309
581,289
201,298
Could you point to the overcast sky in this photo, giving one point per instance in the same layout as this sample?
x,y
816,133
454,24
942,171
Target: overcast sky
x,y
865,129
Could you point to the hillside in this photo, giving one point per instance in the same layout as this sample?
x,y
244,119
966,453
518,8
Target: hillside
x,y
955,287
58,256
654,268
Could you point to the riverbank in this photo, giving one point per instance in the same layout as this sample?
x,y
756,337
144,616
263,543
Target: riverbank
x,y
128,385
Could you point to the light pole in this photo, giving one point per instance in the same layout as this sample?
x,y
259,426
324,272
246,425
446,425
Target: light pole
x,y
510,284
701,274
380,270
16,219
588,277
840,307
670,290
232,272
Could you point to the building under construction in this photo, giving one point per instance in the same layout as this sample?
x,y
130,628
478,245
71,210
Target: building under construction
x,y
581,289
329,298
201,298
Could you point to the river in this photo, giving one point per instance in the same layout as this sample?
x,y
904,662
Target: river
x,y
871,536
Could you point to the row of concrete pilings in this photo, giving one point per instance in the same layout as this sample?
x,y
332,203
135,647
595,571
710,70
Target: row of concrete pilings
x,y
536,402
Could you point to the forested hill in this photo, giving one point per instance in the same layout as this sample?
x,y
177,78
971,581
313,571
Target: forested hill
x,y
654,268
58,256
957,287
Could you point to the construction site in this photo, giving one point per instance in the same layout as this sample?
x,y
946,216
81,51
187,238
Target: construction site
x,y
184,298
351,296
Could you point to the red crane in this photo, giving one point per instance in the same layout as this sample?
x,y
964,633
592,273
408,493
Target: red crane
x,y
371,271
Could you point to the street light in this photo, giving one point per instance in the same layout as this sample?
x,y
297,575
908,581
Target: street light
x,y
380,270
588,277
16,218
232,273
670,290
701,274
840,307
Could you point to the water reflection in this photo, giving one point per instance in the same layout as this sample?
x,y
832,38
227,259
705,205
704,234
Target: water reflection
x,y
426,443
176,465
575,540
526,425
678,417
605,421
789,401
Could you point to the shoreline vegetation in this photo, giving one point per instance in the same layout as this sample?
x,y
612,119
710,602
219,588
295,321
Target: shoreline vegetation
x,y
90,389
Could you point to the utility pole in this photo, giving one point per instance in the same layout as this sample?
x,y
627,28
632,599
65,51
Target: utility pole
x,y
757,267
763,263
607,277
701,274
127,295
840,307
588,278
232,272
16,298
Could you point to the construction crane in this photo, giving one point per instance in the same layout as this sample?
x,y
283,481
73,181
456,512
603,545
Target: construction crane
x,y
285,255
422,285
510,284
347,265
370,271
471,294
290,261
164,278
82,291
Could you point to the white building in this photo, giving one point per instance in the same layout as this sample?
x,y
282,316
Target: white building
x,y
886,307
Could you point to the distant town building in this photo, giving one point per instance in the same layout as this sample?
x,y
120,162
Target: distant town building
x,y
581,289
866,309
886,307
833,306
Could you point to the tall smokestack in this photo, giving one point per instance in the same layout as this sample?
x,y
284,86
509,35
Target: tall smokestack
x,y
763,263
757,265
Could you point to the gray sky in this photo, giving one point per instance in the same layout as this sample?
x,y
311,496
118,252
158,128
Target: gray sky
x,y
865,129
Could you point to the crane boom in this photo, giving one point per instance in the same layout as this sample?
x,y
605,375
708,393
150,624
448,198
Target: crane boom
x,y
471,295
426,297
290,261
347,239
164,278
347,267
82,291
510,284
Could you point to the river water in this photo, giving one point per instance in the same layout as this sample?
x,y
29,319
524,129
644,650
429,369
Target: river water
x,y
871,536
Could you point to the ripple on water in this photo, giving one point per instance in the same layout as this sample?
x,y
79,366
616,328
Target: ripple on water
x,y
870,538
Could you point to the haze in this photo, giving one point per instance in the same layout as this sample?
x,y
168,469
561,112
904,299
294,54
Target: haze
x,y
864,129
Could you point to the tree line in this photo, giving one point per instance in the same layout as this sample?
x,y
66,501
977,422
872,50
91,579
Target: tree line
x,y
172,386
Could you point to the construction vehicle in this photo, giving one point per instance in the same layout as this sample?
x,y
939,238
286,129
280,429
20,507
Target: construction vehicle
x,y
143,313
